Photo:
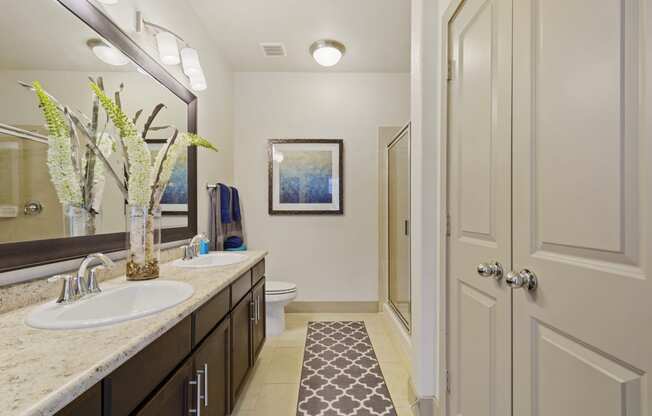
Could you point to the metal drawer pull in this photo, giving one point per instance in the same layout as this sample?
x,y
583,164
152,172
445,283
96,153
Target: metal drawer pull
x,y
205,384
252,311
257,308
197,383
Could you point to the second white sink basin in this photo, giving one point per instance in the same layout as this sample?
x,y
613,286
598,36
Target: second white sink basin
x,y
117,304
212,259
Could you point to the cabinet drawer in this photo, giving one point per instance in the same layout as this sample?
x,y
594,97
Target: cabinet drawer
x,y
210,314
258,271
133,381
240,287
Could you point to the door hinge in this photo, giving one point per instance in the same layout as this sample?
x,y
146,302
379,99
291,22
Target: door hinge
x,y
448,225
451,70
447,380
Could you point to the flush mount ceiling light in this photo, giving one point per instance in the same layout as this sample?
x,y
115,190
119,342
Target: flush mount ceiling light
x,y
327,52
107,53
108,1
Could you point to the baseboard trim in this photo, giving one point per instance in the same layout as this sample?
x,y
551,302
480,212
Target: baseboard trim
x,y
332,307
427,406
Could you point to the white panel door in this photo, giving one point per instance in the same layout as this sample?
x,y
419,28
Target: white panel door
x,y
583,207
479,171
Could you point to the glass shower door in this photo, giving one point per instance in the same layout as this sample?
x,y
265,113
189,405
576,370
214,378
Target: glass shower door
x,y
398,194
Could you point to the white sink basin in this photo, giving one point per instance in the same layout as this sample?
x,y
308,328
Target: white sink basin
x,y
212,259
117,304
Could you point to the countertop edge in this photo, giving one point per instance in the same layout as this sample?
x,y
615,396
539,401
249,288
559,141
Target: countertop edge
x,y
64,395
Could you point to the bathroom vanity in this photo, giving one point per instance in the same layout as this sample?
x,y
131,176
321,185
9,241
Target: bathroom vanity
x,y
192,359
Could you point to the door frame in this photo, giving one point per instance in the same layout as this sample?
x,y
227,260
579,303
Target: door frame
x,y
442,320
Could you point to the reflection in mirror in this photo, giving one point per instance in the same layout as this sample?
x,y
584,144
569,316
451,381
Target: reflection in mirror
x,y
38,200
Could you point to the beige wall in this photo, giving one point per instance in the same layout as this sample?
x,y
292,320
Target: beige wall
x,y
331,258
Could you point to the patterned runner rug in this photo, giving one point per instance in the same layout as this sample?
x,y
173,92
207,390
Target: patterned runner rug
x,y
341,375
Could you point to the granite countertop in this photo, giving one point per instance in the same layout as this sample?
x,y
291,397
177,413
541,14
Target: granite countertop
x,y
41,371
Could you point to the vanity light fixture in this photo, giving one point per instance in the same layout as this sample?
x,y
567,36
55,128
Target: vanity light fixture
x,y
327,52
168,49
107,53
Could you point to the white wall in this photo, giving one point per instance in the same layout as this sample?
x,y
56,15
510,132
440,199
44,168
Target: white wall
x,y
331,258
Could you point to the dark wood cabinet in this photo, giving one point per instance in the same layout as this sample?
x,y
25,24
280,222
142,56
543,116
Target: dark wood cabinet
x,y
199,366
212,361
127,387
258,324
241,317
88,404
176,397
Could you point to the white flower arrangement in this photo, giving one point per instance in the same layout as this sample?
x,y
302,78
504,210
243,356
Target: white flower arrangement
x,y
147,181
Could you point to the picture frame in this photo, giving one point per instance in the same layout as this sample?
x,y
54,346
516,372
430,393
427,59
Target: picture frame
x,y
175,198
305,176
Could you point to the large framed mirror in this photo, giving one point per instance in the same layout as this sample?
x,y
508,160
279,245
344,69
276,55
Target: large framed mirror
x,y
60,45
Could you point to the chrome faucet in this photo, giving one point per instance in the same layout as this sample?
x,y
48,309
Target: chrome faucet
x,y
192,249
88,287
75,288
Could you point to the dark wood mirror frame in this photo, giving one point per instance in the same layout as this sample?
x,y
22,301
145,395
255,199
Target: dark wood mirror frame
x,y
33,253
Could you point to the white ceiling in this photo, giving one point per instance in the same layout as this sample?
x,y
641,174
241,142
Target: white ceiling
x,y
376,33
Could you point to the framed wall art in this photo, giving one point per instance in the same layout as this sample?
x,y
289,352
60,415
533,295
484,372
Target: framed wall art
x,y
306,177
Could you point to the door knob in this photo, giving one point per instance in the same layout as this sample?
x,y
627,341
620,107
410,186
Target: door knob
x,y
524,278
492,269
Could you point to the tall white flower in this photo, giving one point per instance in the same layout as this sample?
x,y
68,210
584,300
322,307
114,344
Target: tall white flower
x,y
63,175
140,159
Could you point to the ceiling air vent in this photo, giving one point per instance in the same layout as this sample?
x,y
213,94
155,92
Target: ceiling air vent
x,y
273,50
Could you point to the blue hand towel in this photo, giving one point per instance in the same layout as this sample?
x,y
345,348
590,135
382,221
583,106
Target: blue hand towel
x,y
236,204
232,242
225,203
241,248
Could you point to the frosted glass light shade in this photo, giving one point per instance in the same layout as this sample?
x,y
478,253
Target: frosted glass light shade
x,y
327,52
190,61
198,82
108,1
167,48
107,53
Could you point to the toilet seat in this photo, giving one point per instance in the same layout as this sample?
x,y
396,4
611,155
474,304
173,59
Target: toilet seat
x,y
279,288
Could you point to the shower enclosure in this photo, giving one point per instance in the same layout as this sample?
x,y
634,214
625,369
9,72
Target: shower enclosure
x,y
398,225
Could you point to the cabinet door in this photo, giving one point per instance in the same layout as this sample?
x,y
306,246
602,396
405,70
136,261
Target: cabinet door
x,y
176,397
88,404
212,362
258,294
241,318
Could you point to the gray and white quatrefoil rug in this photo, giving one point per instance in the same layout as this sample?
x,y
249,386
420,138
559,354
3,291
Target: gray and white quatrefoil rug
x,y
341,375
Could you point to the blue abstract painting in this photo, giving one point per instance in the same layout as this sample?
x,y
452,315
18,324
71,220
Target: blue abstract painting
x,y
306,177
175,197
177,190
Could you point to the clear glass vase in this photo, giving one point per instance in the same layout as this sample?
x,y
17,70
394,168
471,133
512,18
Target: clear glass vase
x,y
143,242
79,222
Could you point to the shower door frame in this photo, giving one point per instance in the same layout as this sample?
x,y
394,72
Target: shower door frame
x,y
403,133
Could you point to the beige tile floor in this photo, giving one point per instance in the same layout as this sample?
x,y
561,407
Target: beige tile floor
x,y
273,386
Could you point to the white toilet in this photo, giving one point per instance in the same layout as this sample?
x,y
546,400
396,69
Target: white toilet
x,y
277,295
